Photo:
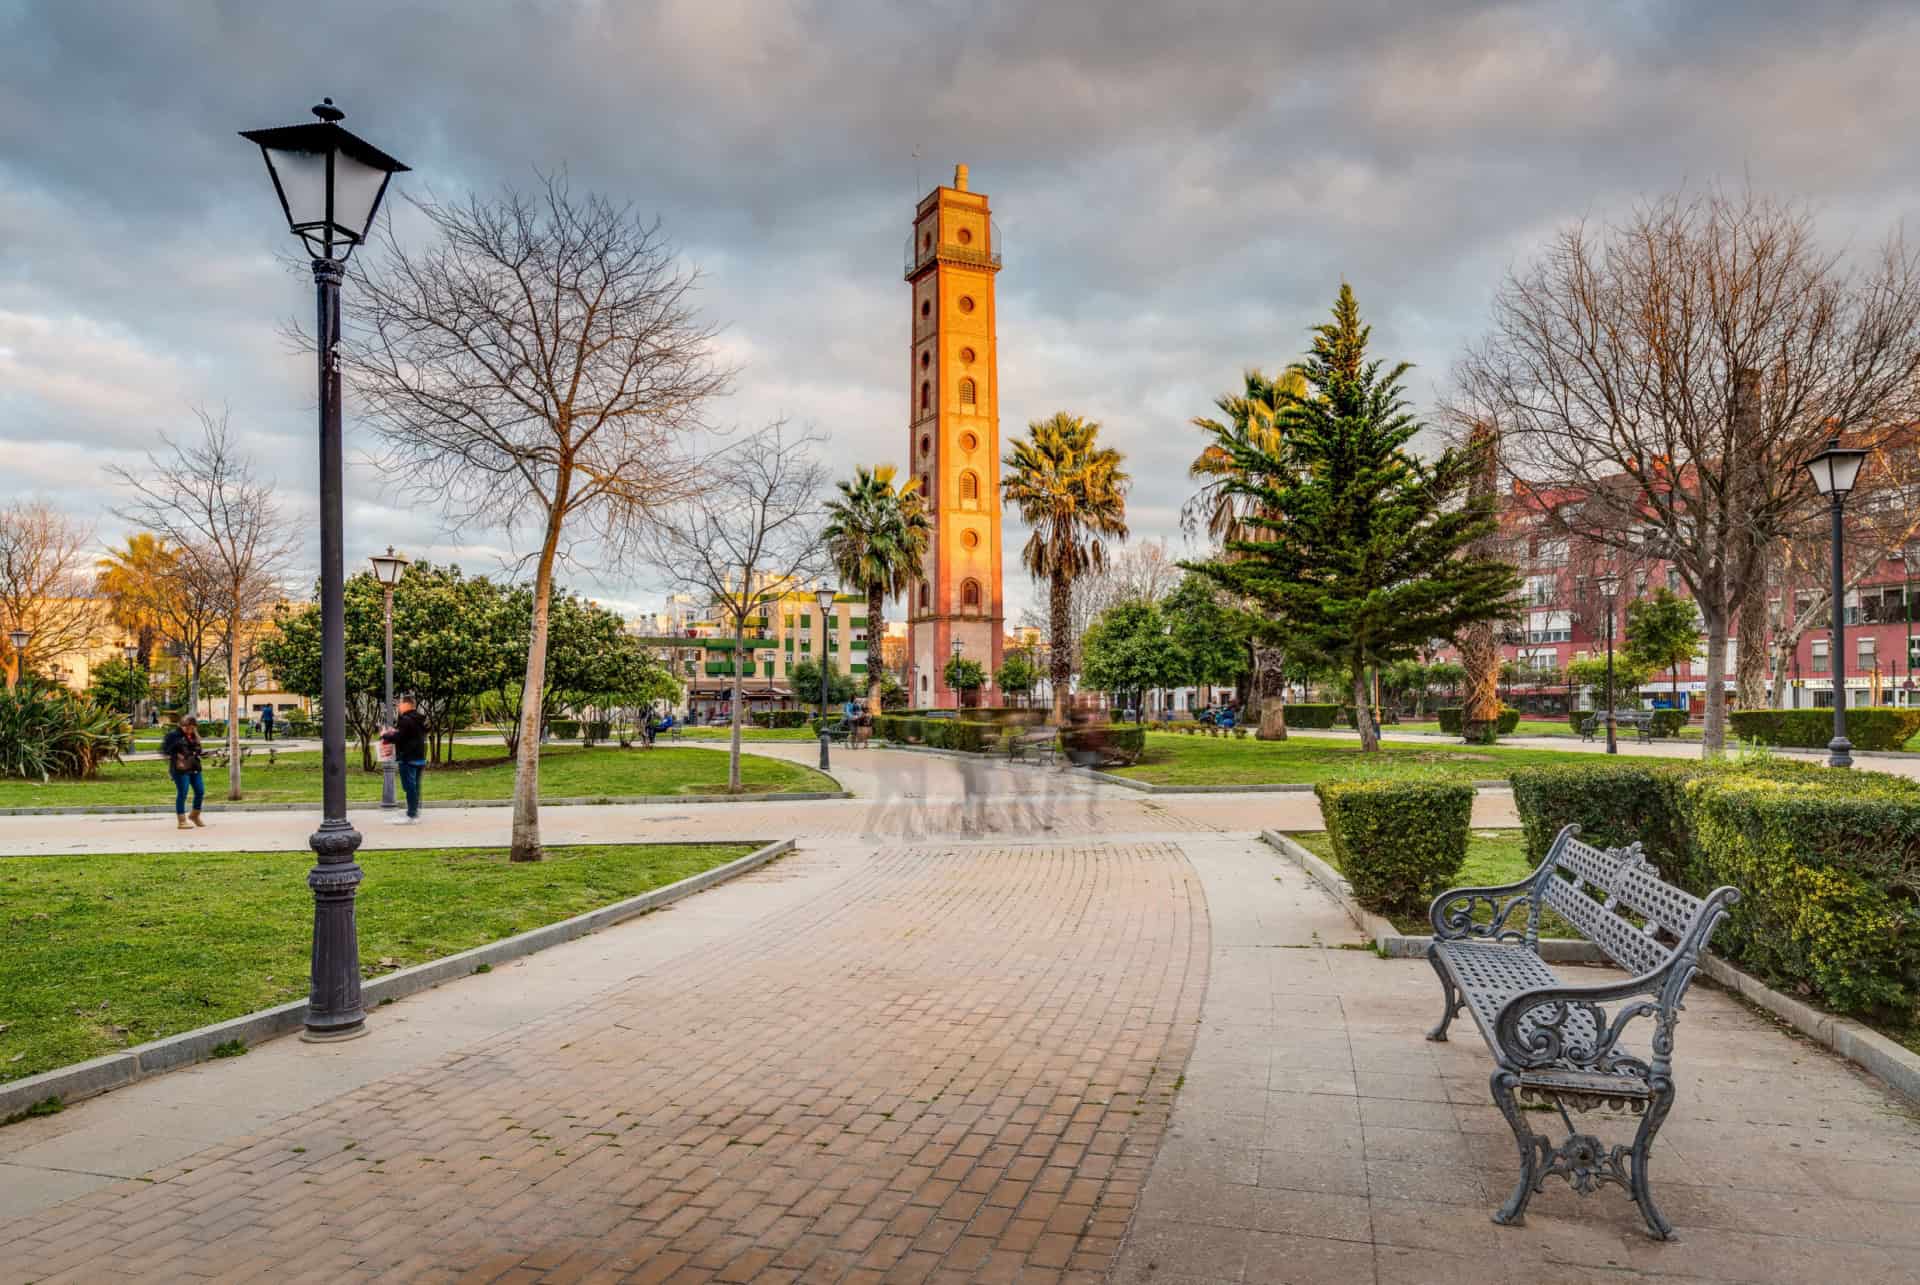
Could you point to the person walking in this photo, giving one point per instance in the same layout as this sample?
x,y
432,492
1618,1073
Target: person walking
x,y
181,749
266,721
408,736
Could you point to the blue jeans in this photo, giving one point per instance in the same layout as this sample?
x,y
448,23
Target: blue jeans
x,y
180,783
410,782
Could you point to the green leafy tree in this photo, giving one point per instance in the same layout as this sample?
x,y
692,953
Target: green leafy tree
x,y
805,677
1018,674
877,534
118,686
1210,636
1072,494
965,676
1663,632
1358,543
1628,675
1128,650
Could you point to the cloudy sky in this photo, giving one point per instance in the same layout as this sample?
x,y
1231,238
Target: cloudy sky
x,y
1181,187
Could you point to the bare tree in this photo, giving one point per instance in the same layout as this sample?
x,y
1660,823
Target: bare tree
x,y
224,524
190,619
538,368
45,581
751,534
1669,376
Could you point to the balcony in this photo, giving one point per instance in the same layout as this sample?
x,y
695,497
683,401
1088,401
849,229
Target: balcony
x,y
918,256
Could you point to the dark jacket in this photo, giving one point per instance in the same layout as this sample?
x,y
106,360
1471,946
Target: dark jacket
x,y
182,752
408,737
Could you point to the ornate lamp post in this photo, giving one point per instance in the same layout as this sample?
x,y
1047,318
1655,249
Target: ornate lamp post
x,y
823,596
1609,584
1834,471
388,567
330,183
130,653
18,639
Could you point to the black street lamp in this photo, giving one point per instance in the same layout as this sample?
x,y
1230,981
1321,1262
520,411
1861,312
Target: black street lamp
x,y
330,183
18,638
1833,471
388,567
824,597
130,653
1609,582
1910,561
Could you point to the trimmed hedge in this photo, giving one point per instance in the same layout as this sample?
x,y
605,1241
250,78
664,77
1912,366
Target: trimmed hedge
x,y
1666,722
1828,863
564,729
940,733
1399,843
781,718
1116,743
1453,722
1874,727
1007,716
1306,714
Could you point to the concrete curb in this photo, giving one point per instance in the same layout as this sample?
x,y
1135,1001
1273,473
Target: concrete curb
x,y
1387,939
160,809
1886,1060
1147,787
85,1079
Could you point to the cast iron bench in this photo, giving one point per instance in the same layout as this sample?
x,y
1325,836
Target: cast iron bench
x,y
1039,746
1639,720
839,731
1554,1043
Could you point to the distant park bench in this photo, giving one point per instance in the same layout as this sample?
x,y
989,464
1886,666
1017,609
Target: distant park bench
x,y
1640,720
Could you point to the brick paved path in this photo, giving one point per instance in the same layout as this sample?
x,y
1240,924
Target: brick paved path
x,y
956,1070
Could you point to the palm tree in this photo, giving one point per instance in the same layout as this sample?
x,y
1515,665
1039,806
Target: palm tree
x,y
1227,508
1071,491
134,582
877,535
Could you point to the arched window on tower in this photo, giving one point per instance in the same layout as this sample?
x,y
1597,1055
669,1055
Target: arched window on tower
x,y
926,395
969,393
970,595
923,595
969,487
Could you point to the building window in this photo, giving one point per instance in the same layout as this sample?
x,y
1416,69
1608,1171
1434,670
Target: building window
x,y
926,359
970,538
969,487
1865,655
926,307
964,236
1673,580
969,393
968,441
1541,590
970,595
966,303
1551,553
923,596
926,443
966,354
926,487
1820,656
926,395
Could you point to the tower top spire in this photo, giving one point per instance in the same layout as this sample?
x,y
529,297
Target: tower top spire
x,y
959,178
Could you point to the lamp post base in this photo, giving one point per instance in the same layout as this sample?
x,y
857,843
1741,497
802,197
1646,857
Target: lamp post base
x,y
387,767
340,1036
1839,752
823,752
333,1001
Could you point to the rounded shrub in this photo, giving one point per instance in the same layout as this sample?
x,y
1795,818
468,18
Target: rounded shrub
x,y
1875,727
1399,843
1308,714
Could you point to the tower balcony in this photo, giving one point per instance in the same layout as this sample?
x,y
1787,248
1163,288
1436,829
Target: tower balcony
x,y
918,259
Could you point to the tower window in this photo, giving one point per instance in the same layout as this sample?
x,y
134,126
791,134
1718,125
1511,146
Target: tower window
x,y
969,392
926,395
926,241
926,444
969,487
966,354
923,595
968,441
926,487
965,236
970,538
926,307
966,303
970,595
926,359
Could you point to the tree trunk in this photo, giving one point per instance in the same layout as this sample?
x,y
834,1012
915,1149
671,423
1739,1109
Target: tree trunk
x,y
1363,712
1750,657
1058,594
526,775
876,632
1270,689
1480,643
1713,732
739,677
233,709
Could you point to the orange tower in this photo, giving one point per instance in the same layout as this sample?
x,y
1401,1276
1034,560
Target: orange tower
x,y
954,442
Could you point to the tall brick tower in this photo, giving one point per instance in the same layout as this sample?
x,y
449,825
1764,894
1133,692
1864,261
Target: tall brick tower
x,y
954,442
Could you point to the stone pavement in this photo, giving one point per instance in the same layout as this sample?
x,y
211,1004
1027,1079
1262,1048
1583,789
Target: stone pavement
x,y
940,1042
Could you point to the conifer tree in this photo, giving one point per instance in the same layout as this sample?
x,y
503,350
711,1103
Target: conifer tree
x,y
1362,547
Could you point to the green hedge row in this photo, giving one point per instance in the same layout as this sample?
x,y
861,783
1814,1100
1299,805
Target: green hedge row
x,y
1875,727
1399,843
1307,714
781,718
1666,722
1453,721
939,733
1828,863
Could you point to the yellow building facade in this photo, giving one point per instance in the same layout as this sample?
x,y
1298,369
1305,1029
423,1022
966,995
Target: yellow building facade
x,y
954,437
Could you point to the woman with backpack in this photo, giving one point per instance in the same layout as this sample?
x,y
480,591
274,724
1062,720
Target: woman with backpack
x,y
181,748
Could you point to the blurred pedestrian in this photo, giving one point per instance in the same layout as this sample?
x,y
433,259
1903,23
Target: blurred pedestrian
x,y
181,748
408,737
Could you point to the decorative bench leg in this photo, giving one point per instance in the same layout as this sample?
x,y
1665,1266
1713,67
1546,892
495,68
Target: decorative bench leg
x,y
1514,1212
1657,1225
1451,998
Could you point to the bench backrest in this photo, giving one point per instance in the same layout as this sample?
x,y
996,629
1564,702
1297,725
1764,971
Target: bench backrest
x,y
1602,892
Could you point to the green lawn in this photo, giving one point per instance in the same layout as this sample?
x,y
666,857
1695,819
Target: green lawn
x,y
104,952
1526,727
1493,857
747,734
1174,758
566,772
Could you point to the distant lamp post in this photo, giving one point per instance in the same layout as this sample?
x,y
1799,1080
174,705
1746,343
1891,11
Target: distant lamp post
x,y
388,567
18,640
1910,559
823,596
1834,471
130,652
330,183
1609,584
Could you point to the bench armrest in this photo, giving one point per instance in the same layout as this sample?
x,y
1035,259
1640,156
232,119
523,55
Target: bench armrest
x,y
1451,913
